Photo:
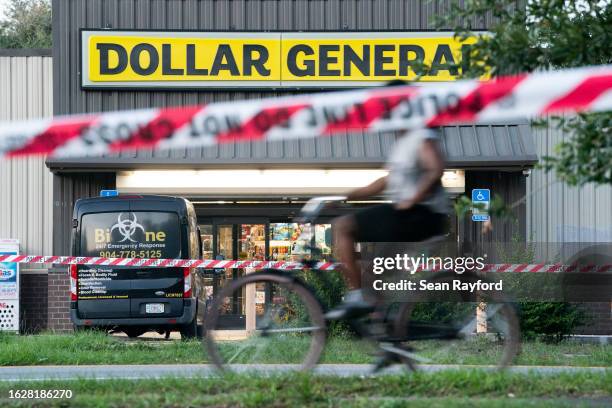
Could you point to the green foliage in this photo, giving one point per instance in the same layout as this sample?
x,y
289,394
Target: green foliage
x,y
442,312
27,25
551,321
541,35
587,155
516,251
329,288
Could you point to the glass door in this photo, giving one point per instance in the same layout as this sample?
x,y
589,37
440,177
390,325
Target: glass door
x,y
255,239
238,241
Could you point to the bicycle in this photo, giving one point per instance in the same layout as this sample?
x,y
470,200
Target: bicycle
x,y
284,320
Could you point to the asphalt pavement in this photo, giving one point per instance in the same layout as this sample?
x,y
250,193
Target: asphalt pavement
x,y
105,372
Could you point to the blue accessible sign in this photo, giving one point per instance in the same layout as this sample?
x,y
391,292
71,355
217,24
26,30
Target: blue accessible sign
x,y
481,197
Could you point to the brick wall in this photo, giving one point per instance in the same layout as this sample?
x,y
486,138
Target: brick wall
x,y
600,318
33,295
59,300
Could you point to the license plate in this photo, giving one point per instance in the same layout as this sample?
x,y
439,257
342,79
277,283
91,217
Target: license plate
x,y
154,308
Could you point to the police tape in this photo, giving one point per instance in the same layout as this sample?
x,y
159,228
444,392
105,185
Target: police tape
x,y
258,265
325,114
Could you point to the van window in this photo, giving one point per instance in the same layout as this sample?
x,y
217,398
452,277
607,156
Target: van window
x,y
131,234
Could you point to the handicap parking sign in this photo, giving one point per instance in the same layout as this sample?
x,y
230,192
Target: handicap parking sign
x,y
482,197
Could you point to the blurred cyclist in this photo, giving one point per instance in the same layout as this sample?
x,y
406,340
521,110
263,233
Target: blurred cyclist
x,y
419,210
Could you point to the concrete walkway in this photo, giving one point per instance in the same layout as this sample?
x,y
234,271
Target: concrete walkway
x,y
104,372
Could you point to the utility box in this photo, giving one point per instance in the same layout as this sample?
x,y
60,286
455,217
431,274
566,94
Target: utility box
x,y
9,287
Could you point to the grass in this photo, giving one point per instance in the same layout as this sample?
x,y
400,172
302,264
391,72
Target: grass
x,y
449,388
98,348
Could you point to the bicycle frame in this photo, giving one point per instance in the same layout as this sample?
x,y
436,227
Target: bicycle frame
x,y
418,330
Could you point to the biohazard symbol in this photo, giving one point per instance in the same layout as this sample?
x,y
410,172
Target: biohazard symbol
x,y
127,228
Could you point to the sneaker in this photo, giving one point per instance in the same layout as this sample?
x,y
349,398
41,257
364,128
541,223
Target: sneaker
x,y
352,306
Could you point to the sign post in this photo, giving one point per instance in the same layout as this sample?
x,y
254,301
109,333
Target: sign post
x,y
9,287
481,199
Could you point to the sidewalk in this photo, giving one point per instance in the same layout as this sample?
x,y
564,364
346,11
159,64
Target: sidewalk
x,y
105,372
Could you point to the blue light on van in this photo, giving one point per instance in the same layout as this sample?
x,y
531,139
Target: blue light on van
x,y
109,193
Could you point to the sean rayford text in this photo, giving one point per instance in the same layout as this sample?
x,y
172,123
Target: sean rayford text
x,y
424,285
412,264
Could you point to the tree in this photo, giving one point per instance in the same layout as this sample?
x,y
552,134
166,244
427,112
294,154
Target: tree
x,y
27,25
539,35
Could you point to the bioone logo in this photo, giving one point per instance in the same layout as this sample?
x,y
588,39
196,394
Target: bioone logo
x,y
127,228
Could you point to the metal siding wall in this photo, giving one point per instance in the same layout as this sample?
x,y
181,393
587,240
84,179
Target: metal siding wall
x,y
67,188
26,200
557,212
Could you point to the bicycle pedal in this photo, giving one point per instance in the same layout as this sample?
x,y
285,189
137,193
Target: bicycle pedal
x,y
403,351
384,361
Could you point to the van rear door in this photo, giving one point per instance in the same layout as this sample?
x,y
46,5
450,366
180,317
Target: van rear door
x,y
123,292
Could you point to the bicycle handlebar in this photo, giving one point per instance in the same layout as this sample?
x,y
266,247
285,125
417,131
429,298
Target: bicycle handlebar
x,y
310,211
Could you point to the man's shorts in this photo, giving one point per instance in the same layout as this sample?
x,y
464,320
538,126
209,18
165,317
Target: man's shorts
x,y
383,223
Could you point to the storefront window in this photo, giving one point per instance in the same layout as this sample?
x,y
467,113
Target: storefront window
x,y
206,232
225,246
324,239
252,242
288,244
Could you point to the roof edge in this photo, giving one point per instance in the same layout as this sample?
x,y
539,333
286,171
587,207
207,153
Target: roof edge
x,y
122,164
25,52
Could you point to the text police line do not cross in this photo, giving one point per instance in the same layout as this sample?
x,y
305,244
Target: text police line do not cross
x,y
325,114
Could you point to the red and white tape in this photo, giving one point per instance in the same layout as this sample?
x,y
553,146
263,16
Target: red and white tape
x,y
381,109
230,264
159,263
529,268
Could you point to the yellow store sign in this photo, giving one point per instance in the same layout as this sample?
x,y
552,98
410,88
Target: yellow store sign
x,y
130,59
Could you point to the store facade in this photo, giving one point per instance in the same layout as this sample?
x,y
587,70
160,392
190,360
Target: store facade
x,y
130,54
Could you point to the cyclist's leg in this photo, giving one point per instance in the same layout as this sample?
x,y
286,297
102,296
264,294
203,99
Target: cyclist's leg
x,y
345,229
369,225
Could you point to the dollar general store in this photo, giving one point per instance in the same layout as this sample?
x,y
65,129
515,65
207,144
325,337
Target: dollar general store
x,y
129,54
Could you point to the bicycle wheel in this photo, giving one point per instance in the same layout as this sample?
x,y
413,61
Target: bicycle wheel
x,y
458,327
265,318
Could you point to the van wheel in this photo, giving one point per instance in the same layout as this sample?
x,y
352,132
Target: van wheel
x,y
190,330
134,332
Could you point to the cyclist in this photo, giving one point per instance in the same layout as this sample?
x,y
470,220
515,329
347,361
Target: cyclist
x,y
418,210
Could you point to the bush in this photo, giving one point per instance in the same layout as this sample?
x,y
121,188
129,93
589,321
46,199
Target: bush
x,y
329,288
550,321
442,312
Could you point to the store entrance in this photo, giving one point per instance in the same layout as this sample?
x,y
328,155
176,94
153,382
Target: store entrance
x,y
252,239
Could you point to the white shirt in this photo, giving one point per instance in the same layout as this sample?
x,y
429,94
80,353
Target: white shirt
x,y
405,172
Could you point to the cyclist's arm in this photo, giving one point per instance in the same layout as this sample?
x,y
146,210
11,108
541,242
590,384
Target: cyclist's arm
x,y
372,189
432,161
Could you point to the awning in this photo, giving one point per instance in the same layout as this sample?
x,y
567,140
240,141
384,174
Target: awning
x,y
496,146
